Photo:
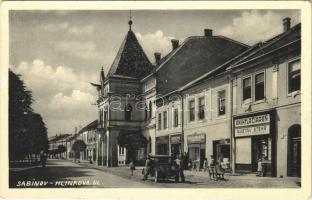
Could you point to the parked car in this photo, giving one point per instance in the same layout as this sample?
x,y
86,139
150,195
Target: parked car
x,y
163,167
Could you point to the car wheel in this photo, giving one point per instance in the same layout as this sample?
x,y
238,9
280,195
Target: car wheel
x,y
156,176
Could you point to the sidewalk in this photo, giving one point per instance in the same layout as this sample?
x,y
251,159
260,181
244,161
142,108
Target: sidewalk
x,y
201,179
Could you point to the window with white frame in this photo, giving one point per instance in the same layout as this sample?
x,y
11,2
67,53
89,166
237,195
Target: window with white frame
x,y
165,119
294,75
192,110
247,89
221,102
259,86
201,107
159,121
176,117
121,150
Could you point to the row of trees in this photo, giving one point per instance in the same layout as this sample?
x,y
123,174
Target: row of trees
x,y
27,131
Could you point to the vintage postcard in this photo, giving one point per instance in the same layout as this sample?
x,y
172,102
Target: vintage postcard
x,y
156,98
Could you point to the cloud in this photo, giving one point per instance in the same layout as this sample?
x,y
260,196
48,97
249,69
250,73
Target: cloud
x,y
255,26
54,27
61,95
69,29
80,49
155,42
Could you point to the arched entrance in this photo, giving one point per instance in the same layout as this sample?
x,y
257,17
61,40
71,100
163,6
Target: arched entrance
x,y
294,151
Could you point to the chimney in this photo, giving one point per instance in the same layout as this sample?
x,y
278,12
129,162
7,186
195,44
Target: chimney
x,y
208,32
157,57
175,44
286,24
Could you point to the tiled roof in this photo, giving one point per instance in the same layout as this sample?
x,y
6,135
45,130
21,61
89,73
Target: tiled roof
x,y
262,48
58,137
130,60
90,126
196,55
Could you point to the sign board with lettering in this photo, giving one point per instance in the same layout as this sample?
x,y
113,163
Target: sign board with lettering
x,y
254,125
175,139
196,138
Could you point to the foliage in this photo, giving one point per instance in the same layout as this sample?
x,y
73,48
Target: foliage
x,y
79,145
131,140
27,131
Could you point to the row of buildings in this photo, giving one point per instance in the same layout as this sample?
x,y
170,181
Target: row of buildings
x,y
210,97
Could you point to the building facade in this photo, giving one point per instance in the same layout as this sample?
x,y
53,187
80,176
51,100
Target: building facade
x,y
267,105
210,97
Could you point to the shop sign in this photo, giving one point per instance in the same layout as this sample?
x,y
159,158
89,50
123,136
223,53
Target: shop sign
x,y
196,138
253,120
252,130
175,139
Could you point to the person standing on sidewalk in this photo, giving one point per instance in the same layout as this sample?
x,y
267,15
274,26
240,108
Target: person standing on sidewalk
x,y
132,167
180,168
148,167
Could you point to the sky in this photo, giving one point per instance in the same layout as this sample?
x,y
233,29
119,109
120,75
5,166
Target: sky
x,y
58,53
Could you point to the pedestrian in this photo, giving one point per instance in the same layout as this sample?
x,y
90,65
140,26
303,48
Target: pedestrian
x,y
180,168
132,167
205,165
189,165
148,167
259,167
43,158
212,161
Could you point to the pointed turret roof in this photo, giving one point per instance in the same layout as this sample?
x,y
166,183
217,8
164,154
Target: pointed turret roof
x,y
130,60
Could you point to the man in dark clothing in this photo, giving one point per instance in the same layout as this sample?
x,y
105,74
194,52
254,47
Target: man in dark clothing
x,y
180,168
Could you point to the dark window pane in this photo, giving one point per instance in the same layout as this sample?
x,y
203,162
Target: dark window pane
x,y
221,98
294,75
165,119
176,117
192,110
159,121
259,87
201,108
246,88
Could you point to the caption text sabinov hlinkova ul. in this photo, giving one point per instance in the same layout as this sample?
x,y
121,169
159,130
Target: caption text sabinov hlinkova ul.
x,y
63,183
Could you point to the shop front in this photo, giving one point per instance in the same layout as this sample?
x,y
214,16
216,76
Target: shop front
x,y
197,149
162,145
175,144
255,140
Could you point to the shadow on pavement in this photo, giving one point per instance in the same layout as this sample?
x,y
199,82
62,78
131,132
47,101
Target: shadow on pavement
x,y
49,173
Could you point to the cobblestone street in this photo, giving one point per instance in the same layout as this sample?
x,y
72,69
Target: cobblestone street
x,y
64,173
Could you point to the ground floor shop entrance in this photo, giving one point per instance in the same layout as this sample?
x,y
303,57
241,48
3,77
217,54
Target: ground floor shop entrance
x,y
294,151
255,143
221,152
162,145
175,143
197,149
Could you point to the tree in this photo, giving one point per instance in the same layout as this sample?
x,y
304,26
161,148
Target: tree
x,y
20,101
37,134
132,141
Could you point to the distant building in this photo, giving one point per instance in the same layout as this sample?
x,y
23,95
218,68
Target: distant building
x,y
54,144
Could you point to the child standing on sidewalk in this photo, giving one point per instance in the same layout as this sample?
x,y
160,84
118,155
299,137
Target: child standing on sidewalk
x,y
132,167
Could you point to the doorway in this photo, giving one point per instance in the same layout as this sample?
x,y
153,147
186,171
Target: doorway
x,y
294,151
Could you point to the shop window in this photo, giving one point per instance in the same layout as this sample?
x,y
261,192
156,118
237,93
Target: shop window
x,y
201,108
176,117
259,86
192,110
221,102
159,121
165,119
150,108
128,112
247,89
294,74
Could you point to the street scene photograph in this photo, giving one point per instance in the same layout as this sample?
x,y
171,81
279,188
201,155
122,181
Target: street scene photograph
x,y
153,98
